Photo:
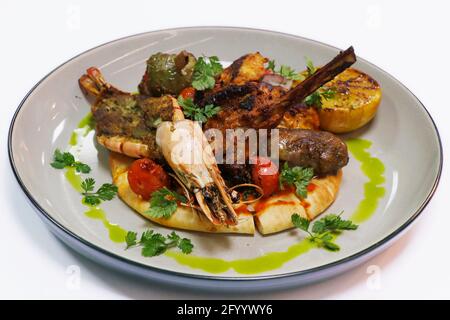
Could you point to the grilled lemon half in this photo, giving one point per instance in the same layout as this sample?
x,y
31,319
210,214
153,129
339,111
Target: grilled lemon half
x,y
355,103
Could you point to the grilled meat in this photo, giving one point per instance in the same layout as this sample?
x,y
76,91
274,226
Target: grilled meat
x,y
320,150
254,104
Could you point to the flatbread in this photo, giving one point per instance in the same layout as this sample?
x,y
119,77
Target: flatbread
x,y
272,214
184,218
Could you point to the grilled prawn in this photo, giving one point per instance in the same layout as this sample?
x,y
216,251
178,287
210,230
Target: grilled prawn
x,y
189,154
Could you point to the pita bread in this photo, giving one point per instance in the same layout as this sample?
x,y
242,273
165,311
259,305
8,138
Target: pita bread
x,y
184,218
272,214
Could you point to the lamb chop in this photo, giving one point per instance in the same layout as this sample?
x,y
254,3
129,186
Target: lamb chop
x,y
254,104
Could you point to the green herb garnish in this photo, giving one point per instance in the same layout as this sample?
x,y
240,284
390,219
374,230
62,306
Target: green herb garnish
x,y
155,244
289,73
63,160
196,113
315,99
205,72
163,203
285,71
310,68
323,230
106,192
296,176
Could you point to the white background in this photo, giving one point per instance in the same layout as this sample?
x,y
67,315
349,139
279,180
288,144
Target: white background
x,y
408,39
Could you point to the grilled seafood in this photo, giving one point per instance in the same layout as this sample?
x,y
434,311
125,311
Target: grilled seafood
x,y
189,154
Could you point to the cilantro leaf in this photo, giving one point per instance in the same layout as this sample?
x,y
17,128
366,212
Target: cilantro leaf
x,y
216,66
328,94
333,223
88,185
310,68
271,65
82,167
323,230
185,245
315,99
106,192
205,71
285,71
173,237
163,203
131,239
300,222
155,244
196,113
146,235
289,73
91,200
298,177
63,160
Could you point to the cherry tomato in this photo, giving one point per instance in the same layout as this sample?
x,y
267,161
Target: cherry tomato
x,y
265,174
188,92
145,177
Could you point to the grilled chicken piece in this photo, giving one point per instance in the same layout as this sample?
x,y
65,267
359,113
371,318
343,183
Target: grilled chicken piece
x,y
301,116
258,105
249,67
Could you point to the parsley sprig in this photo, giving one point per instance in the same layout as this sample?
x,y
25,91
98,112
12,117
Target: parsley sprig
x,y
196,113
163,203
298,177
205,71
323,230
63,160
285,71
310,68
155,244
315,99
106,192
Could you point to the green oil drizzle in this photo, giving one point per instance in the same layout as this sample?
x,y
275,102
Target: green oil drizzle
x,y
116,233
74,179
373,169
87,124
266,262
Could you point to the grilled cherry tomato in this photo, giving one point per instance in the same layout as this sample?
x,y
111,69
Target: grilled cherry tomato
x,y
265,174
145,177
188,92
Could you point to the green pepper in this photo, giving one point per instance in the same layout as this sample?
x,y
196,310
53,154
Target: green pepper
x,y
167,74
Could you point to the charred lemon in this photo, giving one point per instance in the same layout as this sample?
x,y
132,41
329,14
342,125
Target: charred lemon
x,y
354,104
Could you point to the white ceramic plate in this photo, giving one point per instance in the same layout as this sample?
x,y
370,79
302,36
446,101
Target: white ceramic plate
x,y
402,136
